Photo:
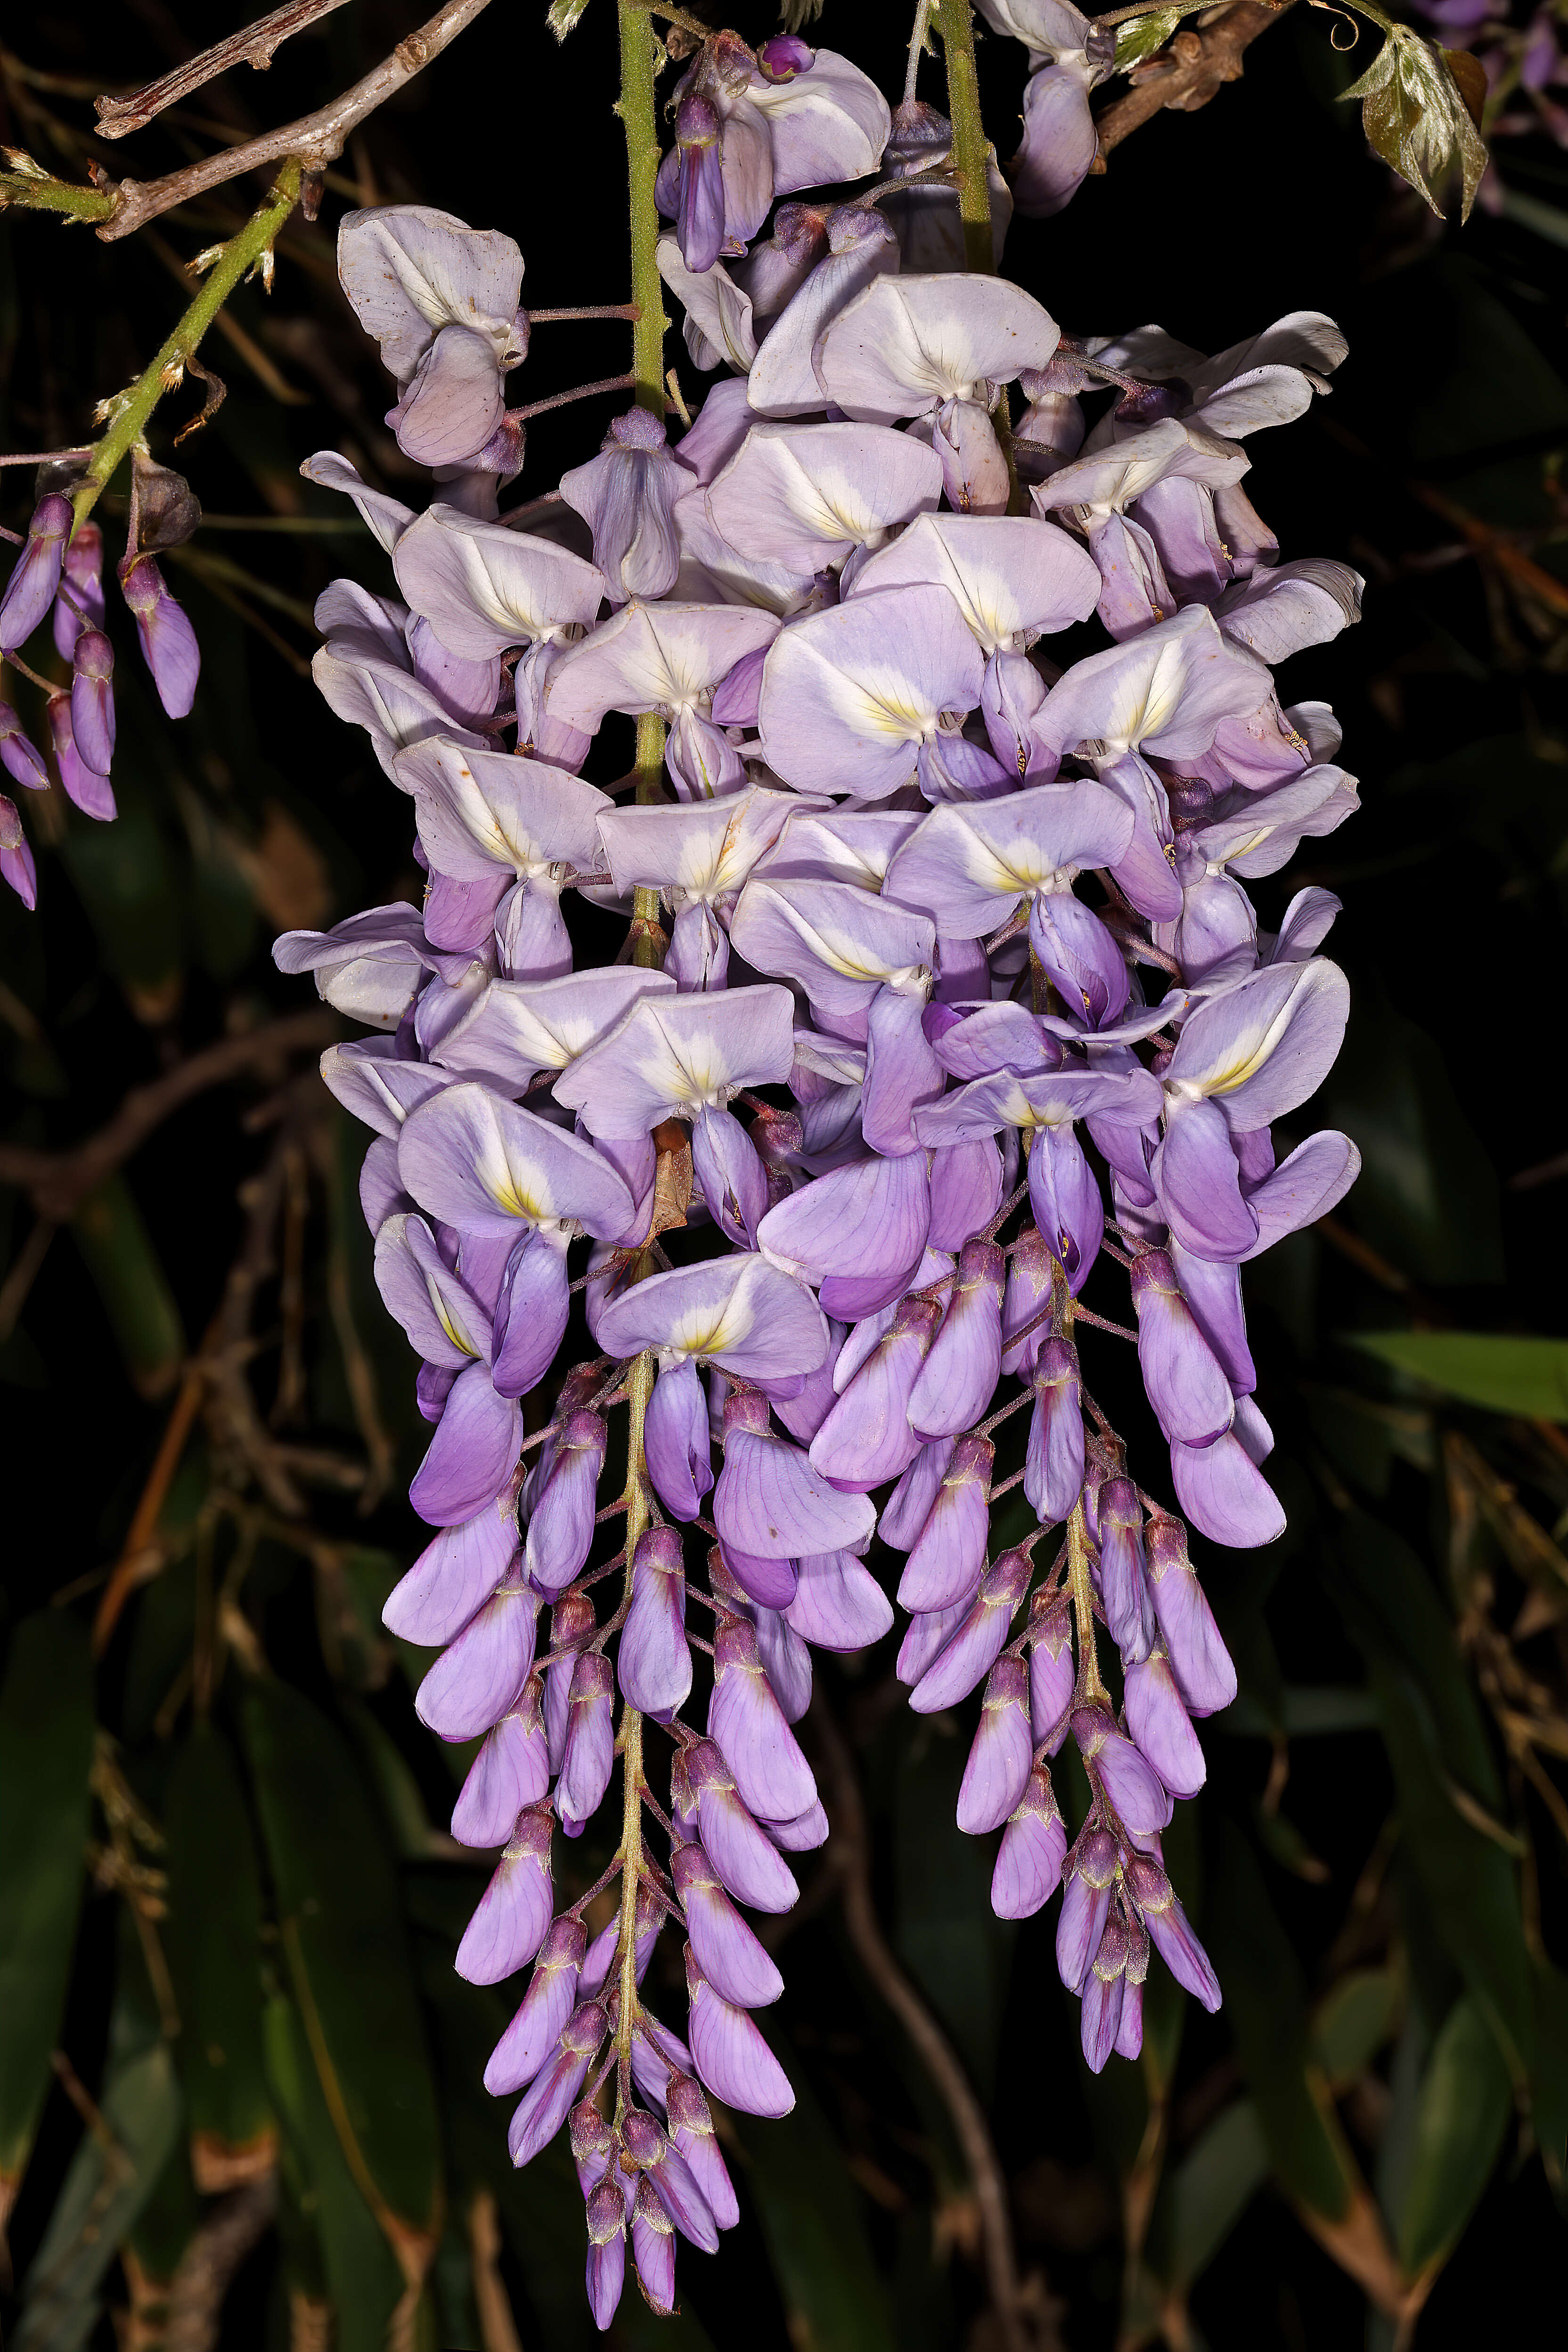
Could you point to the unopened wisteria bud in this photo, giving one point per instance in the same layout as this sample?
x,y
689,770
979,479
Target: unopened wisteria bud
x,y
672,2180
571,1624
1160,1724
1199,1659
17,867
1103,1987
1033,1276
866,1438
80,601
1049,433
747,1863
1086,1905
607,2251
549,2002
654,1661
973,469
627,496
560,1522
92,699
729,1954
699,187
549,2098
588,1756
958,1378
745,1720
972,1650
478,1677
511,1771
946,1560
1122,1577
691,2131
1029,1859
168,641
1130,1784
91,792
36,575
1185,1385
1167,1925
1053,1466
997,1771
595,2145
783,56
920,141
653,2248
1050,1669
513,1913
17,755
731,2057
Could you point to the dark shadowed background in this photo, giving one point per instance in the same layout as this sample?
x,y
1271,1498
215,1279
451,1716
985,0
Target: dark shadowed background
x,y
269,1903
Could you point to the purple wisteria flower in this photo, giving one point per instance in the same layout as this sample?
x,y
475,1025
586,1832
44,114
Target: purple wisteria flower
x,y
750,1263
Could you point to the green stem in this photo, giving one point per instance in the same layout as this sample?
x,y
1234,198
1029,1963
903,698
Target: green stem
x,y
241,254
640,121
639,51
956,23
639,1388
1091,1685
37,191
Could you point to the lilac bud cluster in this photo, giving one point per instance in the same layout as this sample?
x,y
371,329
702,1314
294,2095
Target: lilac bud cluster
x,y
59,577
962,994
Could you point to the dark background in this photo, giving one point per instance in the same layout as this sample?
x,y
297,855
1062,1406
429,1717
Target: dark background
x,y
1322,1868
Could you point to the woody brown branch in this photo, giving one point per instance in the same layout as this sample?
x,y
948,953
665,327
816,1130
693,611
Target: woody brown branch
x,y
57,1181
1189,72
1023,2313
315,138
256,46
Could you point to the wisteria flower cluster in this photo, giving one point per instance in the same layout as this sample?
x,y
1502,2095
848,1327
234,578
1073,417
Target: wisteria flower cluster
x,y
941,989
59,577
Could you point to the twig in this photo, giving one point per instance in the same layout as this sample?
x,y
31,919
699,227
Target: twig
x,y
852,1848
314,140
1186,75
250,248
578,391
133,1565
255,46
206,2269
57,1181
23,1272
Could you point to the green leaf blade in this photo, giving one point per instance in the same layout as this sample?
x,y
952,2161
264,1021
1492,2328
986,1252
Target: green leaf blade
x,y
45,1758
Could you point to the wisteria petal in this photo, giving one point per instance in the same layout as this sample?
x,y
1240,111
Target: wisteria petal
x,y
473,1454
905,345
1012,577
484,588
850,694
1225,1494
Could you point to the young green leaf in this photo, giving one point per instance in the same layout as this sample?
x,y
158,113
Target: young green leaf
x,y
362,2275
111,2178
1205,2196
1140,36
1465,2105
1265,1996
348,1963
46,1756
812,2220
1507,1371
128,1275
213,1943
1415,115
